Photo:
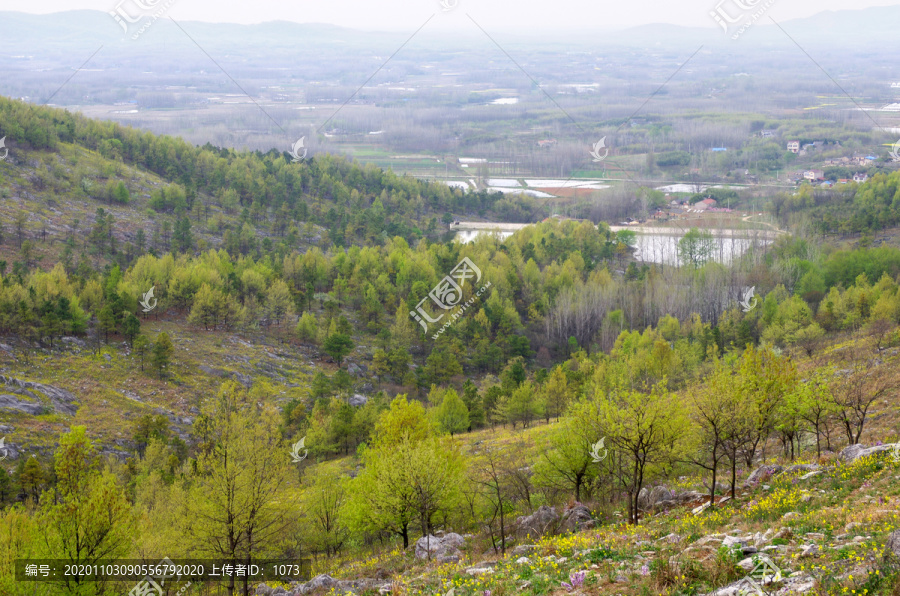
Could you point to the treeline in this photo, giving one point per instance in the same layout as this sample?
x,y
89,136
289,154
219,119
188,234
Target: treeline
x,y
847,209
553,290
356,204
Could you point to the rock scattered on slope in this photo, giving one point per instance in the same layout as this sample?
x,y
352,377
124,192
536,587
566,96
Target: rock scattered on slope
x,y
854,452
33,395
575,519
763,472
444,549
541,522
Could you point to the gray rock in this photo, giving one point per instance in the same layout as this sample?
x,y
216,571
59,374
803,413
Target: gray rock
x,y
263,590
10,451
854,452
64,402
541,522
524,549
480,570
893,543
643,500
671,538
762,473
733,542
809,550
245,380
658,494
358,400
800,468
575,519
443,548
11,402
319,582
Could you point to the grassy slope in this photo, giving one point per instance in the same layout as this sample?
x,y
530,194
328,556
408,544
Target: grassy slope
x,y
846,513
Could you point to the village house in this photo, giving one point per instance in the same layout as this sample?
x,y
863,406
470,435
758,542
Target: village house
x,y
705,204
861,177
793,146
814,175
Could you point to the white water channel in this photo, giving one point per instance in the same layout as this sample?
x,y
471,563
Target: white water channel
x,y
662,247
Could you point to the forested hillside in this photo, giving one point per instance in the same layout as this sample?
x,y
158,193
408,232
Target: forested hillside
x,y
589,423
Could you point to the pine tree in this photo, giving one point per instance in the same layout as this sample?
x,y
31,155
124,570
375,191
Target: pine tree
x,y
162,353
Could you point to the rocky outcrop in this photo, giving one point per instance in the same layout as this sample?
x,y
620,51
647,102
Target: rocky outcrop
x,y
546,521
763,472
444,549
892,546
245,380
541,522
31,397
575,519
358,400
854,452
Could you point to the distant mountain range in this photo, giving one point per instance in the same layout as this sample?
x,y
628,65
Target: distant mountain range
x,y
88,28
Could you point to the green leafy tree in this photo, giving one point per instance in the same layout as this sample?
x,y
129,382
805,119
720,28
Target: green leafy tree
x,y
407,483
131,328
324,504
644,434
442,365
565,463
141,347
474,404
521,406
31,478
338,345
696,248
452,415
149,427
88,517
162,353
234,509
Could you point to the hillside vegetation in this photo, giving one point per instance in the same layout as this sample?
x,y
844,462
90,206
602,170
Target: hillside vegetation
x,y
588,424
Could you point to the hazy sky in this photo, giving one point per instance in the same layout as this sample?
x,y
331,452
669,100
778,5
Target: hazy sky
x,y
405,15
